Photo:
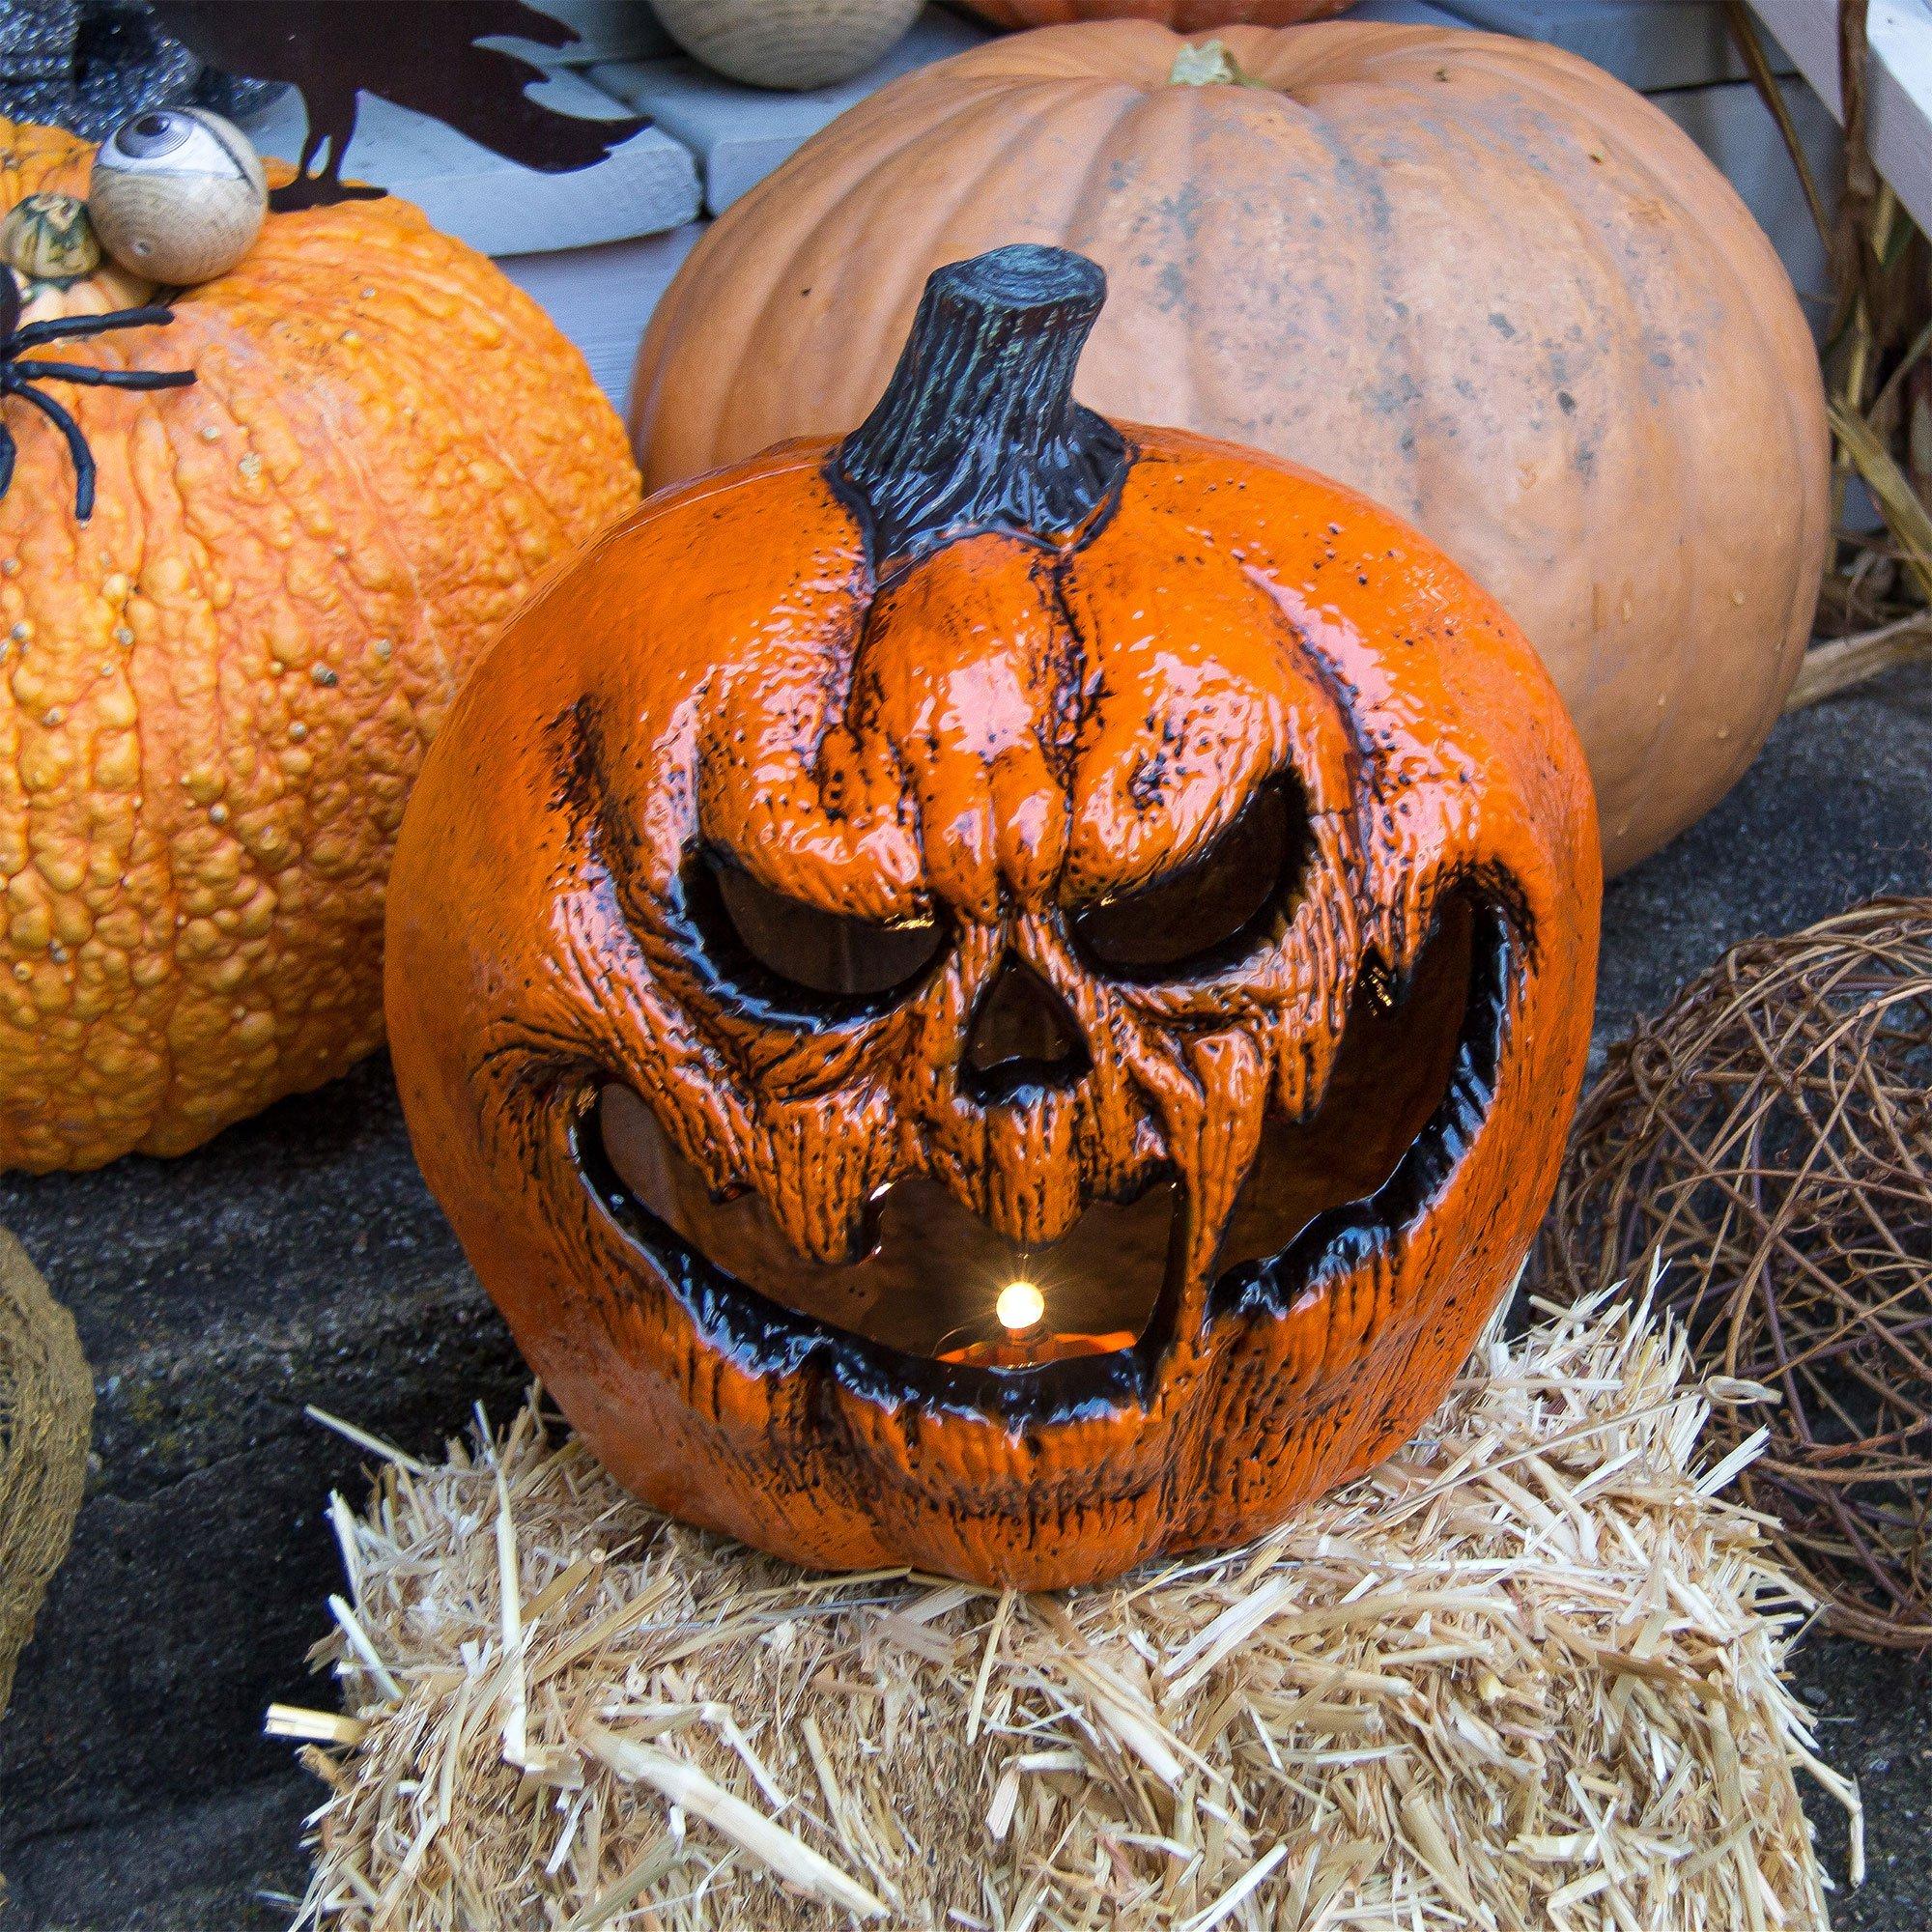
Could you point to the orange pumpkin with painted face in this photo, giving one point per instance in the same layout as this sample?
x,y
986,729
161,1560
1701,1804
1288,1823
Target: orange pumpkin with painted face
x,y
1001,847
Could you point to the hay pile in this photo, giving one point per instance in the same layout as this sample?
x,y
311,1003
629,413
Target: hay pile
x,y
1524,1675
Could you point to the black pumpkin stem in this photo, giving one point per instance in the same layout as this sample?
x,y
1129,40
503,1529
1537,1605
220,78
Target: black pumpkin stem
x,y
19,375
978,429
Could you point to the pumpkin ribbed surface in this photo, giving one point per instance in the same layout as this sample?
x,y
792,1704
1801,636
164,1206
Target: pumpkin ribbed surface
x,y
1187,15
1475,277
218,691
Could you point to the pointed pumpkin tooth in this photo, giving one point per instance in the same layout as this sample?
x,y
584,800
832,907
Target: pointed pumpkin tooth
x,y
1306,1030
1031,1180
1214,1141
1304,1037
1117,1143
1300,1057
1352,1290
818,1177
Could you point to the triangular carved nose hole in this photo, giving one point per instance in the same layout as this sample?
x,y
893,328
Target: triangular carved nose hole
x,y
1022,1035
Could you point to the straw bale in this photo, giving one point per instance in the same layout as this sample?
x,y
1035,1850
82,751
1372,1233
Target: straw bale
x,y
1524,1675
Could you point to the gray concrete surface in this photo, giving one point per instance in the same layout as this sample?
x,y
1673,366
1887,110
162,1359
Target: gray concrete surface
x,y
297,1259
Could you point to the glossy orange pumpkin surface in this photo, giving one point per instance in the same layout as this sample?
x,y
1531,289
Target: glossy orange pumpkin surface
x,y
882,871
1473,276
215,692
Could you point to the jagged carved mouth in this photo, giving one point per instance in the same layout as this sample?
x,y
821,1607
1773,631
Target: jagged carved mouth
x,y
917,1314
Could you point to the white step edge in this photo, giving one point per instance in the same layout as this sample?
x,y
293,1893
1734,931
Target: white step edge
x,y
602,297
646,185
739,133
1899,85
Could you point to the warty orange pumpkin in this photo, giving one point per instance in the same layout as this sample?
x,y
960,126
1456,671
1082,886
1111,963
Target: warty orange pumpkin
x,y
214,691
1473,276
1003,994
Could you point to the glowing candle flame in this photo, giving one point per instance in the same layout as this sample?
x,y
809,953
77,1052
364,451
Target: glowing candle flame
x,y
1020,1306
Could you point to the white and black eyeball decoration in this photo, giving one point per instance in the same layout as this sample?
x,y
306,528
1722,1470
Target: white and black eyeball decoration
x,y
178,195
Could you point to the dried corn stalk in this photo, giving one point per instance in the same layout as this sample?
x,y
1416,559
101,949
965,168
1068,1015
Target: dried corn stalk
x,y
1878,367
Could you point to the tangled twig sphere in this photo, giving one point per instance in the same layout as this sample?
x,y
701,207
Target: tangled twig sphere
x,y
1768,1139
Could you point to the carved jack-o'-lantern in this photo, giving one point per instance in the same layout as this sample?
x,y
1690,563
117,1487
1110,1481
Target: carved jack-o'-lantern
x,y
1003,994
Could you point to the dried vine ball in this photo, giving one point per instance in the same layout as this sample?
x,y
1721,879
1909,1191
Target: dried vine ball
x,y
1769,1139
1002,850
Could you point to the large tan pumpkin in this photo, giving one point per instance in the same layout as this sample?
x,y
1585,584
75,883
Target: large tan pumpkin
x,y
215,692
1474,276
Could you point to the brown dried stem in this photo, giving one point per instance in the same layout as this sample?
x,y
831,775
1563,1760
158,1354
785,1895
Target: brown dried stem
x,y
1745,37
1880,331
1848,662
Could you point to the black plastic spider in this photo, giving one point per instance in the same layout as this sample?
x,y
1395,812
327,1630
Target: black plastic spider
x,y
17,378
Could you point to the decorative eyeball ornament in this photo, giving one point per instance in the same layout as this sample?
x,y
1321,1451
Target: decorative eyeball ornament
x,y
178,195
1002,994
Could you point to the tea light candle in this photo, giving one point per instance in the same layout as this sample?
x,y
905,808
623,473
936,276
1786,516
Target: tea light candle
x,y
1020,1307
1025,1341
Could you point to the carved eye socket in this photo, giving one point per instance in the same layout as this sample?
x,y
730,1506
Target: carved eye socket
x,y
1211,912
790,956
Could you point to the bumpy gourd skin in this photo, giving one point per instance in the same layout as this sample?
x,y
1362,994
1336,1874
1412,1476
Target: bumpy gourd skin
x,y
214,696
1002,724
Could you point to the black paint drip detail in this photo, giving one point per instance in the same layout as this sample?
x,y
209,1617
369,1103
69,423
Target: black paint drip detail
x,y
978,429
